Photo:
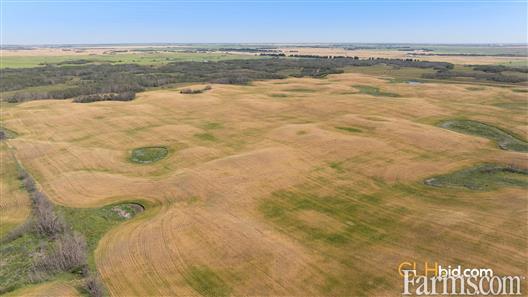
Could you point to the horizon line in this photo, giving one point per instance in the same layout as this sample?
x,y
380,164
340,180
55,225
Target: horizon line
x,y
265,43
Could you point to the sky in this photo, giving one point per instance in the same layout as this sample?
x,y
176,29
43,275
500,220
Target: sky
x,y
263,21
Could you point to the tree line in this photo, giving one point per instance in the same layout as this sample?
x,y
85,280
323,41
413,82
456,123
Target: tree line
x,y
95,82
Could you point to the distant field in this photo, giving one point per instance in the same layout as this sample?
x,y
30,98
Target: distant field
x,y
291,187
400,54
158,54
478,50
132,58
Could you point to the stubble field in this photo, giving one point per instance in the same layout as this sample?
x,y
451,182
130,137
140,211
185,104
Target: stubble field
x,y
289,187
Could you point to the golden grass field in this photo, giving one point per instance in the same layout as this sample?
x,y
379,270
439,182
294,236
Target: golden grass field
x,y
289,187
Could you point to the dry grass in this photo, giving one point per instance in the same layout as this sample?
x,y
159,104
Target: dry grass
x,y
264,209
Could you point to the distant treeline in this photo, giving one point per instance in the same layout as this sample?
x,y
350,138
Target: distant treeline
x,y
96,81
247,50
499,68
468,55
485,72
77,62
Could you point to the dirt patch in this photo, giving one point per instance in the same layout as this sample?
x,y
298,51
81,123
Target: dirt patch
x,y
129,210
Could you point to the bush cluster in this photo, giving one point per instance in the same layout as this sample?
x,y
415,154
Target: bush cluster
x,y
479,75
126,96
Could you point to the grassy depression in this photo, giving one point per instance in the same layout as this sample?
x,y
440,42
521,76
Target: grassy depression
x,y
504,139
145,155
483,177
93,223
374,91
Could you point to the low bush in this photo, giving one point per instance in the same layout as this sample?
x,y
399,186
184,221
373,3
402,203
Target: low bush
x,y
47,222
94,287
126,96
29,184
68,254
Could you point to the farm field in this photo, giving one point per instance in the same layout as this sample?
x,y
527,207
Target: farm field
x,y
291,187
456,55
152,54
36,58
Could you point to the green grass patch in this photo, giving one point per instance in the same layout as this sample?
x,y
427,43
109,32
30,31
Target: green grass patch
x,y
397,74
520,90
213,125
475,88
93,223
483,177
284,208
300,90
206,282
16,258
145,58
374,91
205,136
504,139
278,95
145,155
513,105
338,166
348,129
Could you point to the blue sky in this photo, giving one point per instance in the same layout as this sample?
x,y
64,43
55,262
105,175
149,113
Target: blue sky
x,y
216,21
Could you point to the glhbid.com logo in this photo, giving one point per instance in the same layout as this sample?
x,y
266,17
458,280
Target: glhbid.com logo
x,y
434,279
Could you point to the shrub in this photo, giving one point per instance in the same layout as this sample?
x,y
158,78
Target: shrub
x,y
22,174
94,287
29,184
125,96
68,254
47,222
